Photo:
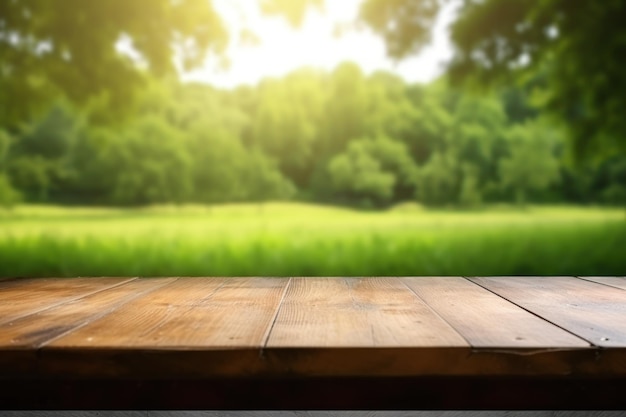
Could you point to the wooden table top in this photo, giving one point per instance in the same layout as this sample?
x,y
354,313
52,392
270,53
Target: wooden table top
x,y
300,327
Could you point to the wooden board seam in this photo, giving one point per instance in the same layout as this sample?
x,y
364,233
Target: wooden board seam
x,y
593,345
436,313
105,313
268,332
69,300
601,283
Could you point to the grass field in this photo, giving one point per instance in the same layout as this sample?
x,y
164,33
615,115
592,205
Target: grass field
x,y
280,239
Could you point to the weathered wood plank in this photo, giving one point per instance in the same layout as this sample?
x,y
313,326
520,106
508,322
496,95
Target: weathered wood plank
x,y
487,320
352,312
617,282
378,327
192,312
22,297
325,327
590,310
39,328
193,328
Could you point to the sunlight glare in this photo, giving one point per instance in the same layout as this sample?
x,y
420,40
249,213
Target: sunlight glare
x,y
282,49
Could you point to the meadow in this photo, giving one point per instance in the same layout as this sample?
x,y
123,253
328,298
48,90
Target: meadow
x,y
290,239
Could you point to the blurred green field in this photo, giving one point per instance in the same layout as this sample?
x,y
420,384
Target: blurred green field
x,y
286,239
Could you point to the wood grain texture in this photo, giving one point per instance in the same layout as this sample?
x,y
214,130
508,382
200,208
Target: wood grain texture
x,y
37,329
234,328
487,320
202,313
21,297
617,282
594,312
357,312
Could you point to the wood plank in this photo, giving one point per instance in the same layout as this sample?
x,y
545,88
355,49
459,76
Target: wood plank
x,y
29,296
379,328
590,310
37,329
617,282
487,320
209,313
193,328
357,312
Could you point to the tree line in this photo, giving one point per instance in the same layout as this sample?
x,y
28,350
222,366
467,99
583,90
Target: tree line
x,y
340,137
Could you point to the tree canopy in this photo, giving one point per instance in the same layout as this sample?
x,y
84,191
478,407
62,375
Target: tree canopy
x,y
48,49
576,47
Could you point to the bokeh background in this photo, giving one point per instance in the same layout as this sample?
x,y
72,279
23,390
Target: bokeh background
x,y
300,137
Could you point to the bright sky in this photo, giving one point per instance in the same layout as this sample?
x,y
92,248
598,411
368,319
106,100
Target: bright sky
x,y
283,49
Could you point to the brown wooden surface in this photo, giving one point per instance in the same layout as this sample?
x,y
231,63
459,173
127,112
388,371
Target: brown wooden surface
x,y
617,282
487,320
593,311
189,313
353,312
42,327
160,332
24,297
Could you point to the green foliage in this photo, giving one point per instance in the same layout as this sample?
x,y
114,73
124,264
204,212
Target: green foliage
x,y
6,141
405,25
51,137
438,180
576,47
470,194
148,164
373,172
357,175
47,49
32,175
339,137
532,163
347,107
286,123
9,196
610,181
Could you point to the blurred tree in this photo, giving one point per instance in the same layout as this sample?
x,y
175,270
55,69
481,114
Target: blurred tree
x,y
149,165
8,194
609,182
74,49
432,121
224,170
31,175
578,45
477,141
394,158
438,180
92,167
6,140
286,123
532,164
52,136
471,194
357,176
38,162
373,172
347,107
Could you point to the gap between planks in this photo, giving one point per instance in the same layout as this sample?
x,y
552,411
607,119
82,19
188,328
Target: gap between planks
x,y
268,332
489,321
593,311
63,301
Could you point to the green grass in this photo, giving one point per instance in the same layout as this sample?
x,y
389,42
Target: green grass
x,y
280,239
